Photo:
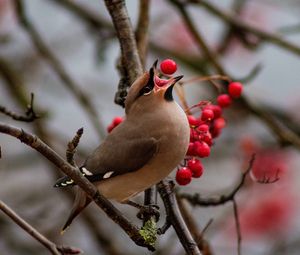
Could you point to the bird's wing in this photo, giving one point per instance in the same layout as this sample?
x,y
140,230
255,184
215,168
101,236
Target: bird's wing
x,y
118,156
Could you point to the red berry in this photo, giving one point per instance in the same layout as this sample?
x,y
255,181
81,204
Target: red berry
x,y
216,109
219,123
202,149
193,135
207,138
191,150
168,66
215,132
196,167
203,128
235,89
224,100
207,115
192,120
184,176
117,121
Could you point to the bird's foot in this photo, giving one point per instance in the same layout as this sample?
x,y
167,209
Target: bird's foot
x,y
147,211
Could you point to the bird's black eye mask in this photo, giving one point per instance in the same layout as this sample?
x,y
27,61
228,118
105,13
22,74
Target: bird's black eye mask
x,y
147,89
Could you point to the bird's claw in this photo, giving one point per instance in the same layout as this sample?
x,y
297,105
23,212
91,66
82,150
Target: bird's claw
x,y
148,211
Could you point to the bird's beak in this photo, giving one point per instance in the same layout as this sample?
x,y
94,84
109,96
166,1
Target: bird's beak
x,y
165,86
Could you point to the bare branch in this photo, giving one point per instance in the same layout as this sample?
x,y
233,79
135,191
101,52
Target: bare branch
x,y
130,66
196,199
238,24
194,229
72,145
130,58
29,116
112,212
165,189
85,14
200,42
141,33
238,227
52,247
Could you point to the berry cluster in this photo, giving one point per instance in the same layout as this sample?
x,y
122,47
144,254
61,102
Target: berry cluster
x,y
115,122
203,130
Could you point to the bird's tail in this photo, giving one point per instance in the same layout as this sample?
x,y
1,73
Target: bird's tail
x,y
64,182
81,202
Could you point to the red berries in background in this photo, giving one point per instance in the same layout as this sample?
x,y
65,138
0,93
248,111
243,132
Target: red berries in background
x,y
224,100
196,167
115,122
184,176
168,66
235,89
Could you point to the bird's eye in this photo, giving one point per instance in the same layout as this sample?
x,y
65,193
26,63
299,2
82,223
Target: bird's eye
x,y
147,91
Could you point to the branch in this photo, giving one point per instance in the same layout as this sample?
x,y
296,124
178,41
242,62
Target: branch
x,y
284,135
237,226
52,247
189,219
141,33
72,145
30,114
82,98
85,14
165,189
130,66
195,199
198,38
130,57
112,212
238,24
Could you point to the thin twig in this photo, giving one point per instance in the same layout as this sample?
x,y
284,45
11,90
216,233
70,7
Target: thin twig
x,y
196,199
165,189
284,135
141,33
238,227
29,116
194,229
238,24
72,145
18,93
206,78
82,98
52,247
85,14
111,211
130,58
199,39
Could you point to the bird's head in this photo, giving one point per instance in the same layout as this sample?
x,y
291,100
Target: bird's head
x,y
147,90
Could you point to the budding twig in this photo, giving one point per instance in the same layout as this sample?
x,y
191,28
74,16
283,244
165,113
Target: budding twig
x,y
196,199
72,145
29,116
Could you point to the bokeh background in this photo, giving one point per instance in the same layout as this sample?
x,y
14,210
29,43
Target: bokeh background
x,y
269,213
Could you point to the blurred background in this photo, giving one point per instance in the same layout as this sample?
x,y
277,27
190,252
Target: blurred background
x,y
85,55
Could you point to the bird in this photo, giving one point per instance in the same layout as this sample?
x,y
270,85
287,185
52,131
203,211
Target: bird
x,y
142,150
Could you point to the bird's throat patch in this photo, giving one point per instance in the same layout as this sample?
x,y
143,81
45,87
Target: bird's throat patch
x,y
169,94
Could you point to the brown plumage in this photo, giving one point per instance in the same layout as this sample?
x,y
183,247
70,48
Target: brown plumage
x,y
142,150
